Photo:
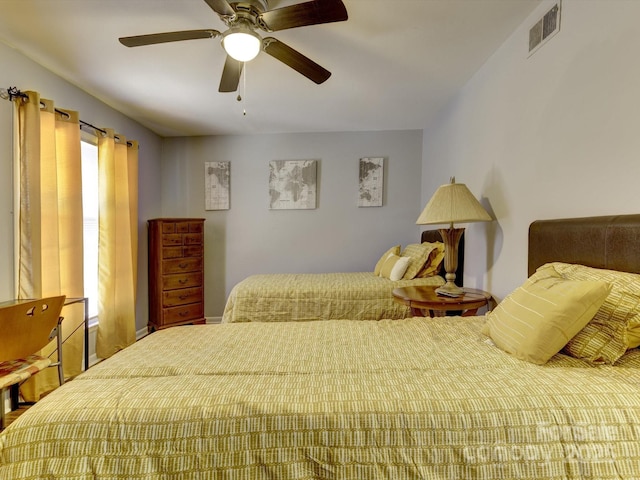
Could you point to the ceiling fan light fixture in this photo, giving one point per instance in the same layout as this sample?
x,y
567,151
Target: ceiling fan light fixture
x,y
241,43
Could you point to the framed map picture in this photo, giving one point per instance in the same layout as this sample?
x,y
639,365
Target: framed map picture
x,y
292,184
216,185
371,176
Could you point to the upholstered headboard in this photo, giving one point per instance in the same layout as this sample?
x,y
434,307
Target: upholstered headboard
x,y
434,236
611,242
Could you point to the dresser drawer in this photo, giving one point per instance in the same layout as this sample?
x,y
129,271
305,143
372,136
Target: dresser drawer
x,y
169,240
182,313
171,282
193,251
171,252
182,227
183,296
196,227
168,227
182,265
192,239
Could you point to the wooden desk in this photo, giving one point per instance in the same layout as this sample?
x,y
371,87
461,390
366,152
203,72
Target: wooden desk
x,y
419,299
68,301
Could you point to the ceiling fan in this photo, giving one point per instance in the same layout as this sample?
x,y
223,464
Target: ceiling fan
x,y
242,43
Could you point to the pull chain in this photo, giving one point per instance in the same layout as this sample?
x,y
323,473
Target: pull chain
x,y
240,98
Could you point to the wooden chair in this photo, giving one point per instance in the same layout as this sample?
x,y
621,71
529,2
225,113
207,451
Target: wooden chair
x,y
26,327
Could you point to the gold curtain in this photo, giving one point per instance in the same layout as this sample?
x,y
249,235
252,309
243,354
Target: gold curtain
x,y
118,247
50,259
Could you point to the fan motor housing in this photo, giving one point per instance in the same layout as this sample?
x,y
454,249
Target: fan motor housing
x,y
260,5
247,11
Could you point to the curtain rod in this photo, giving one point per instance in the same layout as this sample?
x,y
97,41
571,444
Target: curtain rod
x,y
13,92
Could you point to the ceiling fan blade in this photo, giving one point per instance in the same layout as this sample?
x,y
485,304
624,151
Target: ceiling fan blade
x,y
221,7
230,75
295,60
153,38
303,14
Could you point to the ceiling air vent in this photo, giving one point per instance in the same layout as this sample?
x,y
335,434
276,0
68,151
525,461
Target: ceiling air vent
x,y
544,29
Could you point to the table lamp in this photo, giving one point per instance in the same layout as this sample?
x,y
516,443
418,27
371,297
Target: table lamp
x,y
452,203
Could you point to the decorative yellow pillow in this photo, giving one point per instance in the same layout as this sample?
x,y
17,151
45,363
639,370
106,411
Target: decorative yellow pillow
x,y
615,328
394,267
633,334
392,251
536,320
419,254
434,262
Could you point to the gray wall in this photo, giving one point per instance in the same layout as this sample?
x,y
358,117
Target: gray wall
x,y
337,236
17,70
553,135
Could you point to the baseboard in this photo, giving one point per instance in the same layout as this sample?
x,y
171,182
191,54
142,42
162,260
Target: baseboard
x,y
143,332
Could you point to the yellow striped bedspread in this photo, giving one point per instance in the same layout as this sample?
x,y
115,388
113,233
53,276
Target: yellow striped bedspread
x,y
417,398
285,297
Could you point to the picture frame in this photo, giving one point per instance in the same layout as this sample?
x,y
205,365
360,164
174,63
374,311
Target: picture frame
x,y
371,182
292,184
217,180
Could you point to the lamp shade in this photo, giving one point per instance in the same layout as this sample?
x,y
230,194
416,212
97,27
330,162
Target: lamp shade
x,y
453,203
243,44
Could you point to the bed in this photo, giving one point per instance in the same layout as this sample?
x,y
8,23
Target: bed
x,y
413,398
334,296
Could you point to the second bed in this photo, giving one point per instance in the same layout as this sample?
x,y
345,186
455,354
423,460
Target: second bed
x,y
338,296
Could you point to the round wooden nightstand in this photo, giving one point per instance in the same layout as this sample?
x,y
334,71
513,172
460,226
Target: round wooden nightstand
x,y
421,299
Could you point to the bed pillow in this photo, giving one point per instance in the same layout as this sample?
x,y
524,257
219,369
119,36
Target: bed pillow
x,y
418,253
392,251
633,335
615,327
394,267
434,262
535,321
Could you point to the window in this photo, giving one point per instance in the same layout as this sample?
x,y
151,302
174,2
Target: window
x,y
90,202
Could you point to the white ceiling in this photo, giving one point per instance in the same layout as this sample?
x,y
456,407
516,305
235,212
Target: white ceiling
x,y
394,63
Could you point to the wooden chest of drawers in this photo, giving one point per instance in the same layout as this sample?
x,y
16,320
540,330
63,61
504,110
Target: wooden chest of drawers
x,y
176,272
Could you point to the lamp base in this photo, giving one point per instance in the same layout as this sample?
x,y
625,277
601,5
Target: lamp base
x,y
451,237
450,289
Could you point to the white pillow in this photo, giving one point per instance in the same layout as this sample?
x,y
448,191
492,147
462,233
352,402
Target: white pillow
x,y
394,267
393,250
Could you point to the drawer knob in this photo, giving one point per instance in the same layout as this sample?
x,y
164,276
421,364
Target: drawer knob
x,y
182,281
